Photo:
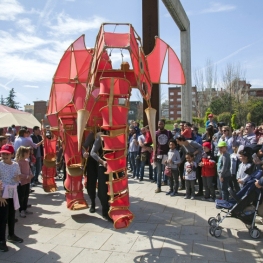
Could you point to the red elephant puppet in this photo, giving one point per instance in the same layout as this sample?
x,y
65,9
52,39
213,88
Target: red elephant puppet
x,y
87,94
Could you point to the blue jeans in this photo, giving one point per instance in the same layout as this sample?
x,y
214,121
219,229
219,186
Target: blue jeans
x,y
159,169
37,169
150,168
224,187
132,157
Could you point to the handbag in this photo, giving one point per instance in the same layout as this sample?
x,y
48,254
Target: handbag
x,y
167,171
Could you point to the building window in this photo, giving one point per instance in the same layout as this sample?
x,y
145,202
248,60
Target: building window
x,y
171,112
178,112
171,99
171,118
179,93
178,105
171,106
178,99
171,93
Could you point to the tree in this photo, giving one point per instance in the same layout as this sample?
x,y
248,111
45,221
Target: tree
x,y
234,121
221,103
10,100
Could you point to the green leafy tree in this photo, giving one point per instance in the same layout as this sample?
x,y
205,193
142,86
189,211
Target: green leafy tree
x,y
10,100
224,117
222,103
255,107
234,124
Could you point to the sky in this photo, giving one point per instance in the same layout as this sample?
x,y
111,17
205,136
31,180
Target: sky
x,y
35,33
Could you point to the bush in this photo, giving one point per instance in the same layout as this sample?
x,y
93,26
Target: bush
x,y
225,117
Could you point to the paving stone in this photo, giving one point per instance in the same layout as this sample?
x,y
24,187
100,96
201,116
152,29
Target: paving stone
x,y
241,253
92,240
168,230
153,259
119,242
33,252
68,237
194,233
91,256
66,254
149,245
160,218
205,250
124,257
172,248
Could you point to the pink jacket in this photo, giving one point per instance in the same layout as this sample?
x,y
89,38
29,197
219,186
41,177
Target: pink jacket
x,y
26,174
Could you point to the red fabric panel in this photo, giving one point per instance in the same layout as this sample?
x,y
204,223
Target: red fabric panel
x,y
73,68
53,120
104,62
175,70
79,96
71,147
63,70
156,59
50,146
63,95
117,40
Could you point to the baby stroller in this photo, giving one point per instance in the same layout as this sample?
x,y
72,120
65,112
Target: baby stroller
x,y
244,207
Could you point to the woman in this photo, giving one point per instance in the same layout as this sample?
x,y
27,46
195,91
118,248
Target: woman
x,y
227,137
197,150
208,136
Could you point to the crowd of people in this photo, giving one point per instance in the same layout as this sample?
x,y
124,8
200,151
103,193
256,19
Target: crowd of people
x,y
184,159
216,160
20,166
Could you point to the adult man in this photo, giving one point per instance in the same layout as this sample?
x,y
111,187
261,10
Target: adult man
x,y
38,153
97,154
211,121
247,139
91,170
217,136
162,147
182,123
145,155
133,150
195,136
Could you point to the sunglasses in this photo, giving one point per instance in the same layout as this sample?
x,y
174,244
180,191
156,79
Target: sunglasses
x,y
225,130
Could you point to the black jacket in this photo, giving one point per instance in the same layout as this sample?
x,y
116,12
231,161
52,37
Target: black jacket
x,y
37,139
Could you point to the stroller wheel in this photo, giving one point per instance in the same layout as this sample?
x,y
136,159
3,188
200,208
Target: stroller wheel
x,y
254,233
210,219
211,231
213,222
217,231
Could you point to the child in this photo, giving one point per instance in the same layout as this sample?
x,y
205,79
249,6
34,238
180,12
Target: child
x,y
22,156
190,175
9,176
172,161
223,169
208,172
246,161
233,170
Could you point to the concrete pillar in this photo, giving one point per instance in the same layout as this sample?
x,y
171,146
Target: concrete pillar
x,y
186,90
178,14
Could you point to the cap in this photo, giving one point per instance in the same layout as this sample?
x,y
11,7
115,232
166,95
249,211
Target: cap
x,y
207,144
210,115
7,148
222,144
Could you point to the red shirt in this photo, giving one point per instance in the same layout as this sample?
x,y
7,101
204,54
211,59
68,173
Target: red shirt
x,y
187,133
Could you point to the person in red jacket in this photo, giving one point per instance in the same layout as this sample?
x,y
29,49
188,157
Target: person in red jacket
x,y
208,172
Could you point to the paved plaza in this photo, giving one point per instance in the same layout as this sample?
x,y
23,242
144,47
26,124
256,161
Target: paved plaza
x,y
165,229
